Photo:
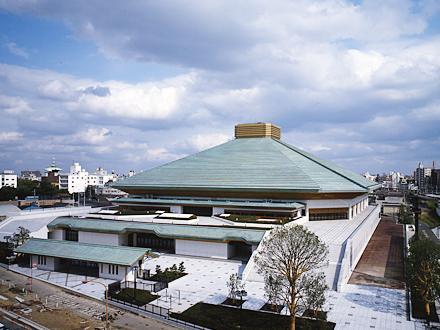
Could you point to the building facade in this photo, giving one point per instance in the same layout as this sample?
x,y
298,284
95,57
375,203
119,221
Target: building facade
x,y
8,179
78,179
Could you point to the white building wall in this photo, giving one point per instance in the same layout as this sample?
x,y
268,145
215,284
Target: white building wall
x,y
354,204
58,234
176,209
218,210
202,249
98,238
112,272
51,263
8,179
123,240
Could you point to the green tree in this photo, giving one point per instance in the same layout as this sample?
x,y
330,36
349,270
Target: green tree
x,y
7,193
273,288
182,267
315,287
424,271
20,236
234,285
47,189
293,254
26,188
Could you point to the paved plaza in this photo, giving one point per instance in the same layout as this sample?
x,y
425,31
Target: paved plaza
x,y
84,284
359,306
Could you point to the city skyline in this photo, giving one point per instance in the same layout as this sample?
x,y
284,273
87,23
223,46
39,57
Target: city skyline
x,y
352,82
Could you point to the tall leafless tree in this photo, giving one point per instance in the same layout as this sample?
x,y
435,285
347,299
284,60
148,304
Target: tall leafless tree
x,y
292,254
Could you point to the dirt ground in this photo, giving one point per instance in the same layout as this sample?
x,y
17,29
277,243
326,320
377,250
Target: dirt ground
x,y
57,309
381,263
48,314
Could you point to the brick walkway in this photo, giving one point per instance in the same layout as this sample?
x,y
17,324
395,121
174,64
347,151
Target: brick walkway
x,y
381,263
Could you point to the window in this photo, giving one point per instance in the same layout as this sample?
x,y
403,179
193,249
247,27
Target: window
x,y
109,269
71,235
42,260
102,268
328,214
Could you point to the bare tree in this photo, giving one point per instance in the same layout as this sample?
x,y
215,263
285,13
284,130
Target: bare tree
x,y
293,254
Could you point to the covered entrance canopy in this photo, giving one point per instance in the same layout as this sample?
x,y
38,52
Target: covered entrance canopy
x,y
92,253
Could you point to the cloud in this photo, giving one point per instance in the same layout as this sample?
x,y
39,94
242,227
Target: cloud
x,y
354,82
10,136
14,49
93,135
14,105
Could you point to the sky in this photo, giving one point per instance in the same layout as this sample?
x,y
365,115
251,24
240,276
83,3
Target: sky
x,y
129,85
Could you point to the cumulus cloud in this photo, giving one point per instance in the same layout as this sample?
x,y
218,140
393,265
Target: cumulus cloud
x,y
356,83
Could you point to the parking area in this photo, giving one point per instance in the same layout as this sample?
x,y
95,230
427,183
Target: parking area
x,y
381,263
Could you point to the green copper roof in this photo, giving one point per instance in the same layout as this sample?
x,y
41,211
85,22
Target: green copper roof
x,y
162,230
213,202
254,164
118,255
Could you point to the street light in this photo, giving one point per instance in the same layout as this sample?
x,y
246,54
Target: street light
x,y
106,297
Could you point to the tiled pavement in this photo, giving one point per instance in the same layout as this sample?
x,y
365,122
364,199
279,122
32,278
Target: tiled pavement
x,y
359,306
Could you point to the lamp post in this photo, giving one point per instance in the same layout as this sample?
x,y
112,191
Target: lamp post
x,y
106,298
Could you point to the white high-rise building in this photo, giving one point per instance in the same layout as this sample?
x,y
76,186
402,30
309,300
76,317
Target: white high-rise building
x,y
8,178
78,179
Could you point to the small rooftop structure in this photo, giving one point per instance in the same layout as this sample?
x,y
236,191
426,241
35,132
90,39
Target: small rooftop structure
x,y
257,130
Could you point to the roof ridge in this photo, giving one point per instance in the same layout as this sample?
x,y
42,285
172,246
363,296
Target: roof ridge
x,y
303,173
319,162
117,183
89,244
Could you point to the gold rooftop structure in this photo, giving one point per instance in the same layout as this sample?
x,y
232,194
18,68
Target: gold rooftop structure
x,y
257,130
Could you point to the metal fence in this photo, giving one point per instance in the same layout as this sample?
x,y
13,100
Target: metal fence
x,y
152,287
157,310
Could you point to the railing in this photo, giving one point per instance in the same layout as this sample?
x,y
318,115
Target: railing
x,y
356,244
152,287
150,308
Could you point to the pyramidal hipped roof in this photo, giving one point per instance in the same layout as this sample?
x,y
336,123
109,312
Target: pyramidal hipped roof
x,y
253,164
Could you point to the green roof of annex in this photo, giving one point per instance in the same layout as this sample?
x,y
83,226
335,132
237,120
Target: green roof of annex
x,y
118,255
209,233
250,164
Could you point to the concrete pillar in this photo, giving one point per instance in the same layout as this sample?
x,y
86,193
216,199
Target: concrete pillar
x,y
134,239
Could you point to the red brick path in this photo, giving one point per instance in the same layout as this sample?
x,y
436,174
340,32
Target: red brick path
x,y
381,263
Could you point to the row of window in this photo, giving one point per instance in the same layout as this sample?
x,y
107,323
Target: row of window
x,y
71,235
42,260
112,269
328,216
